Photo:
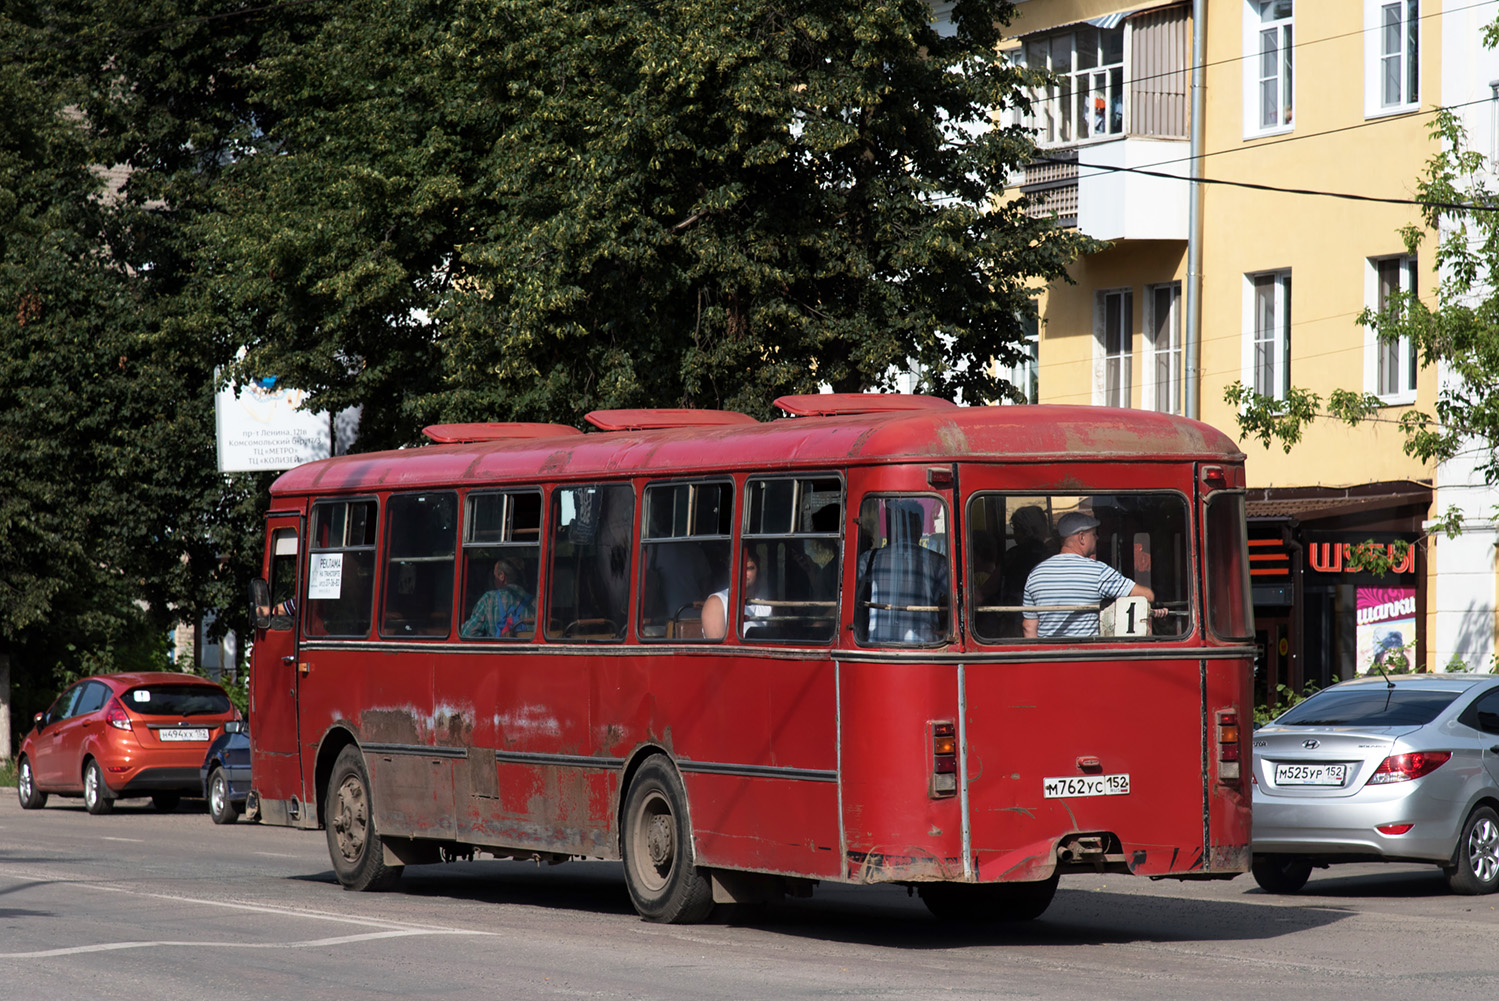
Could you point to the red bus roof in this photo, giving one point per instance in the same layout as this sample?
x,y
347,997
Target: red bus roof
x,y
1000,433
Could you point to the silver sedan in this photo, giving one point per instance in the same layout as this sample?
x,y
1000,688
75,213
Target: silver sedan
x,y
1403,769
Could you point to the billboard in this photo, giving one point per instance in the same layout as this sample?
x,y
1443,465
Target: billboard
x,y
262,426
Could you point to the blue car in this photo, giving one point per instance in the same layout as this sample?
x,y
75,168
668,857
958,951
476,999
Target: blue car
x,y
225,773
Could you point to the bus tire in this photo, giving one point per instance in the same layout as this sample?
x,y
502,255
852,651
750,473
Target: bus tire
x,y
656,846
1280,873
987,903
353,843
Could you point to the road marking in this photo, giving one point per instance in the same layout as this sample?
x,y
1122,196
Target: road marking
x,y
199,944
277,855
133,841
384,929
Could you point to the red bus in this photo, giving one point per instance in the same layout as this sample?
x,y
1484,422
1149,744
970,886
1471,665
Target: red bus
x,y
745,657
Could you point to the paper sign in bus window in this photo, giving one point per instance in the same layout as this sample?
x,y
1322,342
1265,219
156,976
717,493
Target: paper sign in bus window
x,y
325,577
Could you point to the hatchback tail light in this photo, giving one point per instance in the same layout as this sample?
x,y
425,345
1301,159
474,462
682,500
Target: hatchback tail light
x,y
116,716
1404,767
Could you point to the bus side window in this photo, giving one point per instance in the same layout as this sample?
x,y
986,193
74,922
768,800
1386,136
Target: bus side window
x,y
590,542
687,531
793,533
420,538
501,559
341,568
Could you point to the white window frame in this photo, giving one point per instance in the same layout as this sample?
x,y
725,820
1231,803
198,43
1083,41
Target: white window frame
x,y
1271,345
1156,393
1113,389
1054,116
1401,353
1255,31
1378,59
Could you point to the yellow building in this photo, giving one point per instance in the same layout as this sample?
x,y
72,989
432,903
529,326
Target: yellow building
x,y
1262,283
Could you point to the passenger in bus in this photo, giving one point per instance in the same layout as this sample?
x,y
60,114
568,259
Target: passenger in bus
x,y
910,581
505,611
715,615
1075,576
1033,543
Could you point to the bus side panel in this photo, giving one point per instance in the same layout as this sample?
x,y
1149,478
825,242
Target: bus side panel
x,y
720,714
895,829
768,825
386,699
1229,687
520,710
1029,724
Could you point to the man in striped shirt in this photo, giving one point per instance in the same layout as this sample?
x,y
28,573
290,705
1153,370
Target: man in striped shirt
x,y
1074,577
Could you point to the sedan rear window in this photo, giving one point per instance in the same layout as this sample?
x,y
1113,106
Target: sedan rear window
x,y
1369,707
176,700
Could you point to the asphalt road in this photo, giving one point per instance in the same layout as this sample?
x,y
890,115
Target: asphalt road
x,y
143,905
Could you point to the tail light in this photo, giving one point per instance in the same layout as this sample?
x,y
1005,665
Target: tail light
x,y
944,760
1228,745
1394,829
1404,767
116,716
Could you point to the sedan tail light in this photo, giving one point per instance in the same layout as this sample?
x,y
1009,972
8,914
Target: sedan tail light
x,y
1404,767
116,716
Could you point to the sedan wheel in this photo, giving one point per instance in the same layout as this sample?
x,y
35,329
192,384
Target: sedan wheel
x,y
96,795
32,798
219,808
1477,859
1280,873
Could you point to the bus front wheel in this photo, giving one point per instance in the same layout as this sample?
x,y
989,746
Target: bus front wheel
x,y
353,844
656,844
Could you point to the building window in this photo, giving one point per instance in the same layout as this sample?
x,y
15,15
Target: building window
x,y
1392,34
1024,373
1084,99
1392,365
1163,388
1113,323
1269,92
1267,355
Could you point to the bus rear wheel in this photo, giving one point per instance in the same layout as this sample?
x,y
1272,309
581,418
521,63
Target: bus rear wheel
x,y
988,902
353,844
656,845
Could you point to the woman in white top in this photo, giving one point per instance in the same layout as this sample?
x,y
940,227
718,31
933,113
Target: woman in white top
x,y
715,614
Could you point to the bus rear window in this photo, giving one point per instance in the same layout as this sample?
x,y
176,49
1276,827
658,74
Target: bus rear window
x,y
1230,610
1140,539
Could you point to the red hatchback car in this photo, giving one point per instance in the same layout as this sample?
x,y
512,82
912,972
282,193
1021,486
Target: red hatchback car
x,y
123,735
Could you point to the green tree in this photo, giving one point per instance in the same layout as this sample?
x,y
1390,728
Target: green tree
x,y
502,209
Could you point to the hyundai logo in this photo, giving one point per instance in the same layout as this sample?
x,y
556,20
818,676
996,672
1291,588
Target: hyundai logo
x,y
1309,744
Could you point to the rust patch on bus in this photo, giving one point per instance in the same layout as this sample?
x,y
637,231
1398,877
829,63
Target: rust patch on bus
x,y
918,866
1228,858
389,726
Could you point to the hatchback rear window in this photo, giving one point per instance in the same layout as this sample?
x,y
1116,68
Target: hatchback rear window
x,y
176,700
1369,707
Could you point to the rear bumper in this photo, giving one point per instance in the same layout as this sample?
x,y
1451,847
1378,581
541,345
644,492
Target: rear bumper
x,y
149,780
1287,825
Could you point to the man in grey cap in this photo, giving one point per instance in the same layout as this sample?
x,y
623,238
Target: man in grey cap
x,y
1074,576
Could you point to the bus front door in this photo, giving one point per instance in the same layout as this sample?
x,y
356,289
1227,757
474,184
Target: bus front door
x,y
275,765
